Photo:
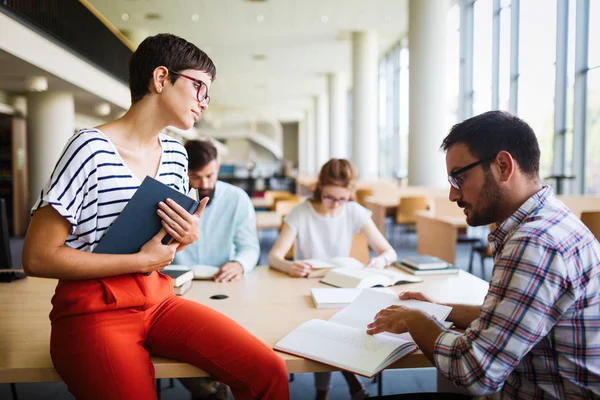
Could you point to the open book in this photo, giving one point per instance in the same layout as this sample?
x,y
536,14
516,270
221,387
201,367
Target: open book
x,y
342,341
350,277
321,267
203,272
338,297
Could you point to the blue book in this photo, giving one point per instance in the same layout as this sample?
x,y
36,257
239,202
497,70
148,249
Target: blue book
x,y
139,222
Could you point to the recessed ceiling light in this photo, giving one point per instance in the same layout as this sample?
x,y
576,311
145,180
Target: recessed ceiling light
x,y
102,109
195,17
153,16
324,18
388,18
36,83
260,18
125,17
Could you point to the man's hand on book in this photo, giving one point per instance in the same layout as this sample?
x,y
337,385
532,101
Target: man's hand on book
x,y
229,272
394,319
181,225
415,296
300,269
156,255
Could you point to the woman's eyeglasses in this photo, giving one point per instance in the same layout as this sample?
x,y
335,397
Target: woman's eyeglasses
x,y
332,199
202,89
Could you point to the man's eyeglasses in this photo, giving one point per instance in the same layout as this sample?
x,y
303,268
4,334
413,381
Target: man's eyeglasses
x,y
455,178
202,89
332,199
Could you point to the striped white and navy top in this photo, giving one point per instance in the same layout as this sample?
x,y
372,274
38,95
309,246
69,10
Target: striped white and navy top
x,y
91,184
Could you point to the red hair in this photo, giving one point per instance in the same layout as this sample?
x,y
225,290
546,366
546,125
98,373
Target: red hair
x,y
337,172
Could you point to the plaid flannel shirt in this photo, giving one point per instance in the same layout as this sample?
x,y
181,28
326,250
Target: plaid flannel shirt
x,y
538,333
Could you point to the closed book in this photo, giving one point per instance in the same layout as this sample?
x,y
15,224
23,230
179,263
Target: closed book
x,y
342,341
178,276
180,290
424,262
450,269
139,222
201,272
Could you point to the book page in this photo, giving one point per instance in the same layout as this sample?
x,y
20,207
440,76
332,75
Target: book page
x,y
338,296
349,262
343,347
363,309
349,277
319,264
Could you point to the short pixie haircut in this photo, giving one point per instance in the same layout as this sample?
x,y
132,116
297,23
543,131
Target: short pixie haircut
x,y
166,50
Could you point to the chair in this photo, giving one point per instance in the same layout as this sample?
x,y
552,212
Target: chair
x,y
408,206
591,219
289,199
360,248
362,194
484,250
271,195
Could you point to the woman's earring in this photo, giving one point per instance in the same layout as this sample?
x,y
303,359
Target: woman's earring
x,y
159,90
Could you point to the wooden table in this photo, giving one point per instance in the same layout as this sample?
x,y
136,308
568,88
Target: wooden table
x,y
261,202
268,220
437,235
266,302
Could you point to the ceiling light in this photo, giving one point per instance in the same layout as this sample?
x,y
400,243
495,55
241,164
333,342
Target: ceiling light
x,y
125,17
102,109
260,18
195,17
388,18
259,57
151,16
36,83
324,18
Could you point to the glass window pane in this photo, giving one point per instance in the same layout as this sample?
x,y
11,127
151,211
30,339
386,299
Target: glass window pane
x,y
504,57
592,144
593,48
482,56
537,51
452,63
404,112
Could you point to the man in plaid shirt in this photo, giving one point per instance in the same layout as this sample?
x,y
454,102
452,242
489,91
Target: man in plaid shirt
x,y
537,334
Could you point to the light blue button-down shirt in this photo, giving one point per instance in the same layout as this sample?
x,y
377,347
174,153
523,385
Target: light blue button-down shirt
x,y
227,232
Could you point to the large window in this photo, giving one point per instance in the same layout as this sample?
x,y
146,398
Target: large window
x,y
537,53
482,56
592,161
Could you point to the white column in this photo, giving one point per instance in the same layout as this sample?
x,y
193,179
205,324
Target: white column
x,y
50,123
338,119
364,132
322,131
427,97
302,150
311,160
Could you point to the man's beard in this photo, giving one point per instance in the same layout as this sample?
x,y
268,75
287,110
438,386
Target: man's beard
x,y
210,193
489,203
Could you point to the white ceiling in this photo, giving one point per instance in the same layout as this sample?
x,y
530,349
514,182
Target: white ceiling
x,y
300,48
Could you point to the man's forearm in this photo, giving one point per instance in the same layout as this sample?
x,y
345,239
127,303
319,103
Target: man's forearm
x,y
424,331
462,315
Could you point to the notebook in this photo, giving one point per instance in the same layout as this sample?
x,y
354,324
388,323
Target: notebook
x,y
139,222
424,262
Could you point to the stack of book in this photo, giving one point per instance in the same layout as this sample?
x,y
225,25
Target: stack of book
x,y
181,278
425,265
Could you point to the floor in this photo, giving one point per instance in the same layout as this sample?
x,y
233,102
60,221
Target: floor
x,y
398,381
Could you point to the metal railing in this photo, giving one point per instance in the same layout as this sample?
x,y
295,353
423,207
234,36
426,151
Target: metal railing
x,y
71,25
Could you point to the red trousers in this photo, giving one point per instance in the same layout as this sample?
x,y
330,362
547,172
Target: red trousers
x,y
104,331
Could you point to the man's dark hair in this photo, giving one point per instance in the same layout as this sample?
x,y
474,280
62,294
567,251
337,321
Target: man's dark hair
x,y
169,51
487,134
200,153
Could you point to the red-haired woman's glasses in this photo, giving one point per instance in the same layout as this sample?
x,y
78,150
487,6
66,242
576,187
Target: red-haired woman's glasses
x,y
201,88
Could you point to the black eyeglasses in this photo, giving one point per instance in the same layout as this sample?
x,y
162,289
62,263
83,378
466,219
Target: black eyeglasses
x,y
202,89
334,200
455,179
